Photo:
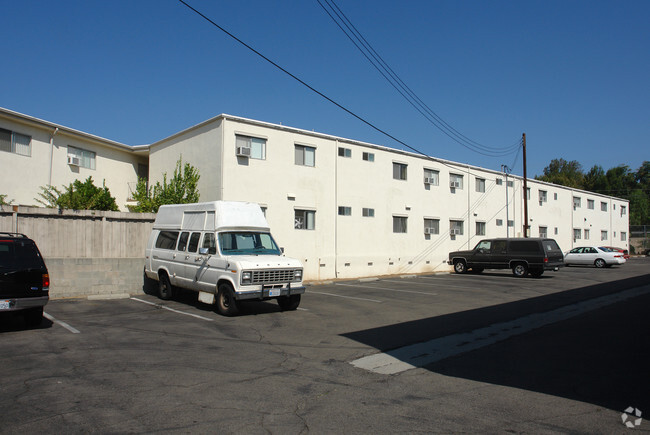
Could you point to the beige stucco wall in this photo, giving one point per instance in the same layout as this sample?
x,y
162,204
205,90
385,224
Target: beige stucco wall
x,y
22,176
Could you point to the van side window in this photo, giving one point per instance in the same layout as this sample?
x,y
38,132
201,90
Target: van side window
x,y
210,242
182,241
499,246
167,239
524,246
194,242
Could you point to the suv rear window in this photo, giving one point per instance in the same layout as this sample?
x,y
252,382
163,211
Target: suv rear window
x,y
20,253
551,245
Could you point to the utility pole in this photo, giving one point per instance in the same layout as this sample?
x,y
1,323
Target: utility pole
x,y
505,170
526,226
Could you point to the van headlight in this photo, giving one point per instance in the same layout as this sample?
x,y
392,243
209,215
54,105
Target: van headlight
x,y
297,275
246,277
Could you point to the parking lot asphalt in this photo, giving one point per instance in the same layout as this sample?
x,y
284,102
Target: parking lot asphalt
x,y
146,365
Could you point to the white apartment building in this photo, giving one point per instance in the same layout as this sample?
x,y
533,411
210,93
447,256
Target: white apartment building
x,y
346,208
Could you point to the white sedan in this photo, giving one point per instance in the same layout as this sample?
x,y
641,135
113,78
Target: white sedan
x,y
588,255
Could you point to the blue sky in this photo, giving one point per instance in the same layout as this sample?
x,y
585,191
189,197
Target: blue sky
x,y
573,75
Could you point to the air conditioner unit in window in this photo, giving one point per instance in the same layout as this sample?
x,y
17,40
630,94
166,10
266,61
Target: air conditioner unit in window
x,y
429,231
429,180
454,184
244,151
454,231
541,202
74,160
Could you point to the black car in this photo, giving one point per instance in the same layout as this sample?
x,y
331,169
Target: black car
x,y
24,281
522,255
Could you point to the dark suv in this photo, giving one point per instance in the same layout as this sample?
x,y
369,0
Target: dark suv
x,y
24,281
522,255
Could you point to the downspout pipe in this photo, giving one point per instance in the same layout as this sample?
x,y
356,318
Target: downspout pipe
x,y
49,179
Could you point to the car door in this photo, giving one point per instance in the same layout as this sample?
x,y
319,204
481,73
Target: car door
x,y
211,265
589,255
191,260
482,254
499,258
573,256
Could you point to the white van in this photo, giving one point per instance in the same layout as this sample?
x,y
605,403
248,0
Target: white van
x,y
223,249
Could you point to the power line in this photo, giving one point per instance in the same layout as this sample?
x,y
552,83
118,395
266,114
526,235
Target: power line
x,y
403,89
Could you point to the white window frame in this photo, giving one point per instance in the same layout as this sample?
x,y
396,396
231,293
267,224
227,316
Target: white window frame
x,y
457,178
577,234
591,204
577,202
87,159
623,236
480,228
345,152
400,171
368,157
345,210
301,155
256,144
543,231
400,224
457,224
304,219
368,212
603,206
603,235
480,185
19,143
433,225
543,196
433,175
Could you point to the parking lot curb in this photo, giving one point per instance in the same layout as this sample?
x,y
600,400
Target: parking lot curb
x,y
108,297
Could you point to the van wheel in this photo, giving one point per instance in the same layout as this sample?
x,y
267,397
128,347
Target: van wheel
x,y
165,289
519,270
599,263
33,316
227,305
459,266
289,303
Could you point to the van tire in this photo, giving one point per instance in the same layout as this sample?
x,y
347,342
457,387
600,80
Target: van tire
x,y
227,305
519,270
460,266
289,303
165,289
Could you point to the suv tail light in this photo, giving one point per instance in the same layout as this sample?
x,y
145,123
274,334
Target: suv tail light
x,y
545,259
46,281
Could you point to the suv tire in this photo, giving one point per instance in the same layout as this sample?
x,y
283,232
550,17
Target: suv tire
x,y
519,270
460,266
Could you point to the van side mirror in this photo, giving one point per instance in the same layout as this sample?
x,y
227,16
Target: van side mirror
x,y
282,250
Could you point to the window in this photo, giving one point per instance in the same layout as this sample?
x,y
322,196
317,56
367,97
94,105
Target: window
x,y
480,228
400,224
345,152
369,157
210,242
590,204
511,223
305,156
86,158
304,220
577,234
555,196
556,231
499,181
182,241
456,181
399,171
431,226
542,196
345,211
257,146
623,210
510,184
499,222
543,232
603,235
431,177
368,212
17,143
456,228
576,202
480,185
603,206
194,242
623,236
166,240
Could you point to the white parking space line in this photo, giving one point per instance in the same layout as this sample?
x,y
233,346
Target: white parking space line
x,y
422,354
171,309
386,288
346,297
61,323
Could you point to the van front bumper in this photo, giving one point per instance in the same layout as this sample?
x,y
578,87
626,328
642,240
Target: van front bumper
x,y
269,291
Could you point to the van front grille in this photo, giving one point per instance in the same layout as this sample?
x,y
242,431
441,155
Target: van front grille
x,y
270,276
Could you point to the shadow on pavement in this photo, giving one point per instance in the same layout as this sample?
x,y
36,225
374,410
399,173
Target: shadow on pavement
x,y
600,357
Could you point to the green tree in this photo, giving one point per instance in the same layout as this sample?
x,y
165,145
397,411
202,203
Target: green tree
x,y
78,196
559,171
4,201
181,189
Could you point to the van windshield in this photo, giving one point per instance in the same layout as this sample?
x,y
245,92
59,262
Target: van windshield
x,y
247,243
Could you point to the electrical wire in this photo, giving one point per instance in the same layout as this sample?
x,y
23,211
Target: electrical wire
x,y
341,20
